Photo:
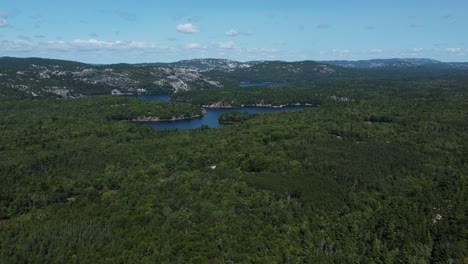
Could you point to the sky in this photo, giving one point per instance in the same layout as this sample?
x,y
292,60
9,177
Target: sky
x,y
102,31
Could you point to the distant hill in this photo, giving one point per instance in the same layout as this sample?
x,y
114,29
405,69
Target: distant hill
x,y
49,77
21,64
395,62
281,71
398,63
204,64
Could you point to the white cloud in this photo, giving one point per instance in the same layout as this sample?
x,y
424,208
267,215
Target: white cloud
x,y
376,51
16,45
94,43
453,50
227,45
231,32
341,52
193,46
262,50
56,42
3,22
138,44
187,28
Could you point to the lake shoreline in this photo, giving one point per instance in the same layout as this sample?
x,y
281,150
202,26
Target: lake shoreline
x,y
211,113
223,105
173,119
227,106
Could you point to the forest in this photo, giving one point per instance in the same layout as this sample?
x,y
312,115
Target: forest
x,y
380,177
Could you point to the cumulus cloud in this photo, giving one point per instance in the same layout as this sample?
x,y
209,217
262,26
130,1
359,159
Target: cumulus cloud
x,y
193,46
231,32
227,45
187,28
3,22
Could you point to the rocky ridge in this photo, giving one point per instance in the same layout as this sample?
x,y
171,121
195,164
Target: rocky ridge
x,y
50,78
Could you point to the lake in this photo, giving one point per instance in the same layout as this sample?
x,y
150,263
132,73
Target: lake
x,y
211,117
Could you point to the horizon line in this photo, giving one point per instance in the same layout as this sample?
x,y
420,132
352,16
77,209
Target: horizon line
x,y
212,58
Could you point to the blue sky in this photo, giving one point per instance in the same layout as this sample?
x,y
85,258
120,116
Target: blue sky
x,y
102,31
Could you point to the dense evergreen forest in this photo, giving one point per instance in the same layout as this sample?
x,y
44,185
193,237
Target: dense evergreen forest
x,y
315,93
376,174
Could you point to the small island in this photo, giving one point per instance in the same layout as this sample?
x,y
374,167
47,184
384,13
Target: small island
x,y
174,118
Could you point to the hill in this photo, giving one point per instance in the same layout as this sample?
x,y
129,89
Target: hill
x,y
204,65
395,62
46,77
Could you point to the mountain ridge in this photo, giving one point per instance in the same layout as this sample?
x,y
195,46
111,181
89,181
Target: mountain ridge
x,y
62,78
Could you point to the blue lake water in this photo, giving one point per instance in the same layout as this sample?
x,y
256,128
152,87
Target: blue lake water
x,y
211,117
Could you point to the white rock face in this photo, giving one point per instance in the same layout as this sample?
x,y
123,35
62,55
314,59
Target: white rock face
x,y
116,92
61,92
179,86
44,78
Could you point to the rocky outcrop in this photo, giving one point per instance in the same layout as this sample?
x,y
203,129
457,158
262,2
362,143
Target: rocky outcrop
x,y
219,104
340,99
44,77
